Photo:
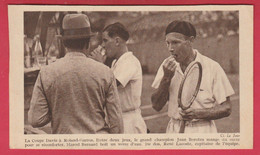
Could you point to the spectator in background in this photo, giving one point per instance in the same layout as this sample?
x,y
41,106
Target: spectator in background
x,y
76,94
128,73
213,99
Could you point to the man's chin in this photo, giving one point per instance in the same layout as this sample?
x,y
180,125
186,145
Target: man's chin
x,y
109,57
177,60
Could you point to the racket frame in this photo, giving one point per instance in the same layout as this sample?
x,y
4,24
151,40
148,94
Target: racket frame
x,y
182,126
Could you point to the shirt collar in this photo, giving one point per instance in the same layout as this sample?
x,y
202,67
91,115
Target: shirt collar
x,y
198,56
197,59
72,54
122,57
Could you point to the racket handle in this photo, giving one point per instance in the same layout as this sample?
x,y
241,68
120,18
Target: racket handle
x,y
182,127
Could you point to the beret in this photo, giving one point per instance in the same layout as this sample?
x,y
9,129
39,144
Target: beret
x,y
182,27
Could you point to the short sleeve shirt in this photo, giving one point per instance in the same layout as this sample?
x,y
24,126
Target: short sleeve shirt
x,y
127,70
214,89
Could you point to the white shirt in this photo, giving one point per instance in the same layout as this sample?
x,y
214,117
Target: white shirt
x,y
214,89
127,70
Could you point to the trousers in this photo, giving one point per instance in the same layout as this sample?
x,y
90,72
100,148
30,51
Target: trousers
x,y
198,126
134,122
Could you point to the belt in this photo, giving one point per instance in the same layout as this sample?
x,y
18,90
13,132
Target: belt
x,y
131,110
198,122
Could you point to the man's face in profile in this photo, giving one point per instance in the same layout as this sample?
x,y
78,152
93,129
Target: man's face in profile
x,y
109,44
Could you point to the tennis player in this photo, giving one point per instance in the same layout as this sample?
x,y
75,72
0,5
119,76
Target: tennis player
x,y
213,99
128,73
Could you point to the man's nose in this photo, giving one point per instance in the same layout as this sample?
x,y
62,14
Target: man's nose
x,y
102,45
171,48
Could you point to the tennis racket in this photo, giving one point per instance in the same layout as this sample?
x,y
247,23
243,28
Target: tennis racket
x,y
189,89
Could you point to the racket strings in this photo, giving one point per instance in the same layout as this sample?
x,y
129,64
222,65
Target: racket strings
x,y
190,86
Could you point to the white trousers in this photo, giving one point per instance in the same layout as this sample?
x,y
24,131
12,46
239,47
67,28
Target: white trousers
x,y
200,126
134,122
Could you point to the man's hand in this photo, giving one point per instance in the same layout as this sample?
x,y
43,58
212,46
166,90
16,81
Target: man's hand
x,y
97,55
161,94
189,114
216,112
169,67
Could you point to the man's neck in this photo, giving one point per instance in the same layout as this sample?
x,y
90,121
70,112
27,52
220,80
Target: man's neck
x,y
122,51
79,51
188,60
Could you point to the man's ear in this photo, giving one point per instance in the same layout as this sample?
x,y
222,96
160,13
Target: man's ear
x,y
191,39
86,48
117,40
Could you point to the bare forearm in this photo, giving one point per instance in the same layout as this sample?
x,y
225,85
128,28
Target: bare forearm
x,y
161,95
217,112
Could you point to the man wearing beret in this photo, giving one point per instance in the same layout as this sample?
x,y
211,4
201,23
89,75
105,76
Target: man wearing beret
x,y
213,99
128,73
76,94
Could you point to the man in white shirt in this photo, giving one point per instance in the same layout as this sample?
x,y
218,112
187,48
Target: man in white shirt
x,y
213,99
128,73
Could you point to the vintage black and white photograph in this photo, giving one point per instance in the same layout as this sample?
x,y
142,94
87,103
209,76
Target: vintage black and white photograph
x,y
171,70
157,74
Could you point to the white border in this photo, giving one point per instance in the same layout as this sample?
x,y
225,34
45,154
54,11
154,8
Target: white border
x,y
16,93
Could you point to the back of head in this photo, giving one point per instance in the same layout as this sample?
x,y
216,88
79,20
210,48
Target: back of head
x,y
76,31
182,27
117,29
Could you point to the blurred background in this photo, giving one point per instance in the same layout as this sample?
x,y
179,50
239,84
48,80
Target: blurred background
x,y
217,38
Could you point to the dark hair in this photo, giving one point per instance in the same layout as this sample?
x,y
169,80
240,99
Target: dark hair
x,y
76,44
117,29
182,27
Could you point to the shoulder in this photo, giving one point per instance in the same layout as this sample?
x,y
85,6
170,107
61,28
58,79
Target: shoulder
x,y
97,64
210,63
51,68
128,61
131,58
211,66
59,63
99,69
82,64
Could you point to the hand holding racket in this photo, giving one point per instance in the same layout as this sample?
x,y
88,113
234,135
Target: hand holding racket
x,y
189,89
188,114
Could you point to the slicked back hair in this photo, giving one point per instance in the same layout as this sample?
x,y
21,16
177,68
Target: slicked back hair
x,y
117,29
